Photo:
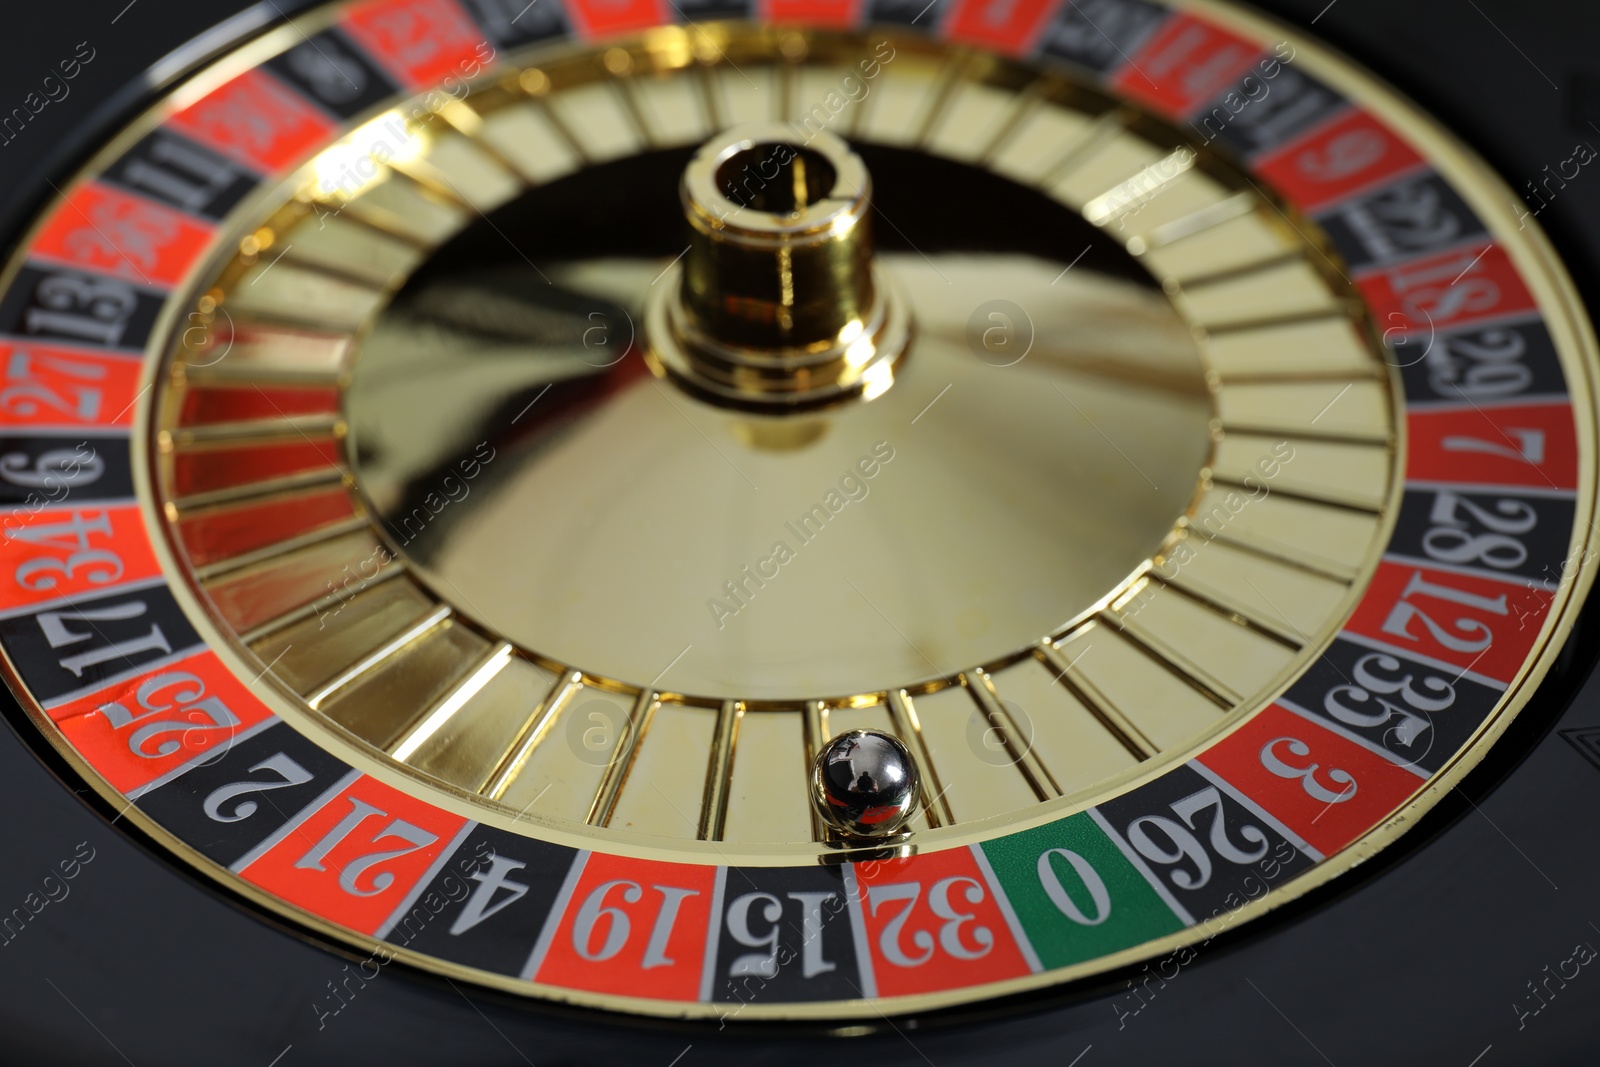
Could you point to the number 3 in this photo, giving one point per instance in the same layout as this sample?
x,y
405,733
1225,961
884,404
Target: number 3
x,y
1308,774
939,903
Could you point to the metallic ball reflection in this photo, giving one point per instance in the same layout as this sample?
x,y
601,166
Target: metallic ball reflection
x,y
865,784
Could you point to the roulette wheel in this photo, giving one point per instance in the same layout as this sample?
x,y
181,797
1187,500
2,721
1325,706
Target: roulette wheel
x,y
649,531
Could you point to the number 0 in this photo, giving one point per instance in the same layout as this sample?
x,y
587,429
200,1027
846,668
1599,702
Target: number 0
x,y
1051,881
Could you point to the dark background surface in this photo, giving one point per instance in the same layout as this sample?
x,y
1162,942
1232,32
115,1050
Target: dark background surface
x,y
1418,958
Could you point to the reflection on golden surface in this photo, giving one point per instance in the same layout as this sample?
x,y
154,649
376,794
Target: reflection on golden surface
x,y
1128,474
654,519
519,740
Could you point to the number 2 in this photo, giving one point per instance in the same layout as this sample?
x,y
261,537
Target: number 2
x,y
290,773
26,396
939,903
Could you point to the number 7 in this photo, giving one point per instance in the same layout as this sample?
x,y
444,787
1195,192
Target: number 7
x,y
1530,445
